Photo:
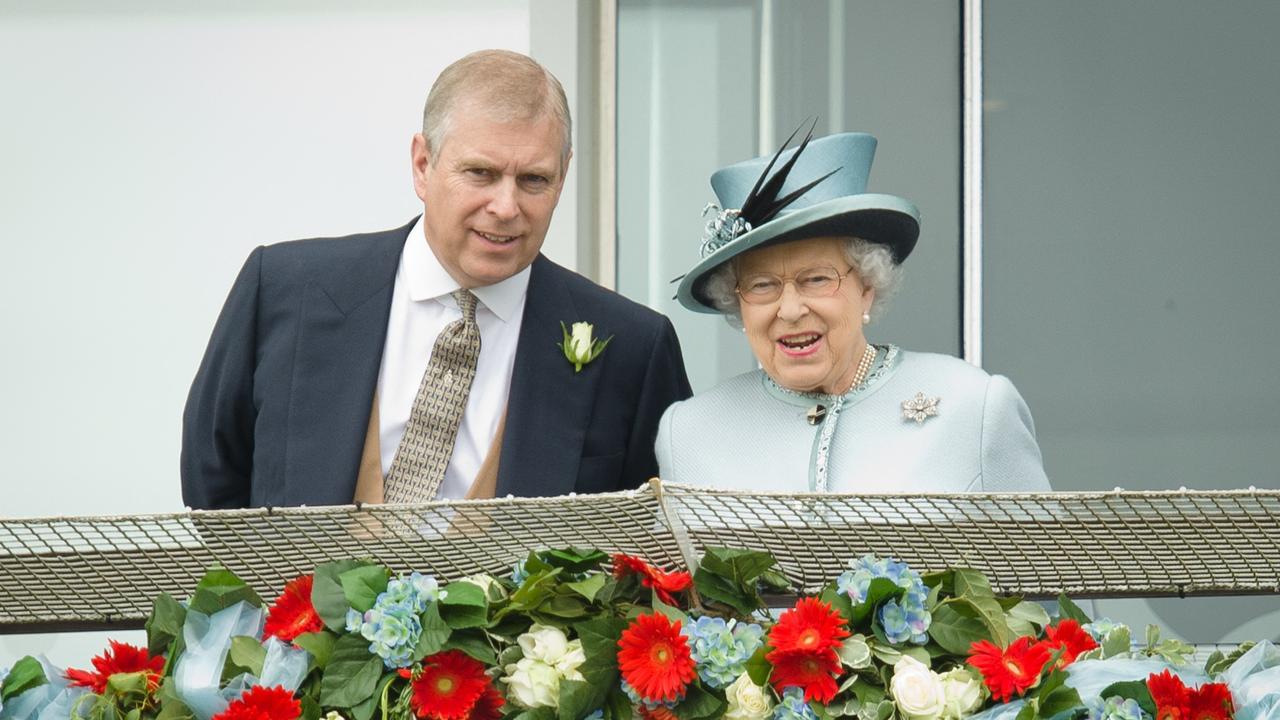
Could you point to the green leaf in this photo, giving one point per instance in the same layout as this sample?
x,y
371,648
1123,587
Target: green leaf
x,y
1060,701
674,614
25,674
954,631
992,615
878,590
248,653
758,668
1028,712
362,585
1116,642
319,644
838,601
1219,662
1032,612
435,633
327,595
464,594
588,588
723,590
165,623
365,710
1135,690
1070,611
600,640
575,699
563,607
699,704
468,611
574,560
352,674
542,713
473,643
971,584
617,706
220,588
731,577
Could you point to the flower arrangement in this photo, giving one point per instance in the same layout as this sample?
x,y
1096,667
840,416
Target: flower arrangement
x,y
562,639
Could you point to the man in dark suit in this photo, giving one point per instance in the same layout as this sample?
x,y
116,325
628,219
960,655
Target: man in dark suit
x,y
315,386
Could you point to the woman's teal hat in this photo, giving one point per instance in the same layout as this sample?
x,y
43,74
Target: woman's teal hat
x,y
818,190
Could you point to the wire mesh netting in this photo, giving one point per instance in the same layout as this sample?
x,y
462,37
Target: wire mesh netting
x,y
79,573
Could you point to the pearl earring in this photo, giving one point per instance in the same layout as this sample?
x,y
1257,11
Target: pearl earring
x,y
866,318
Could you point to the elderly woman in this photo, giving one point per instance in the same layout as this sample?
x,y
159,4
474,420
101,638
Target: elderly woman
x,y
804,261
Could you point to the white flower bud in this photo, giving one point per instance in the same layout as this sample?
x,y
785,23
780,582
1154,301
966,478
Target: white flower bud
x,y
916,690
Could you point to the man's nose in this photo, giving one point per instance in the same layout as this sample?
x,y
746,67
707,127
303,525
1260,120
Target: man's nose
x,y
791,304
504,202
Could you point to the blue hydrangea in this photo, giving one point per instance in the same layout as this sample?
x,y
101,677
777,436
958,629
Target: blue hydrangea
x,y
1101,627
635,698
393,625
519,574
793,706
903,620
1116,708
721,649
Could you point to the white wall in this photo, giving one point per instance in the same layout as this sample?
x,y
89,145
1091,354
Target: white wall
x,y
143,154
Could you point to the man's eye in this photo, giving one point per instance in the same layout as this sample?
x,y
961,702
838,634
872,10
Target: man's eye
x,y
535,179
478,172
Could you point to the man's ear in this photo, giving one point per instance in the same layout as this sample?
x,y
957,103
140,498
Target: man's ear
x,y
420,157
564,168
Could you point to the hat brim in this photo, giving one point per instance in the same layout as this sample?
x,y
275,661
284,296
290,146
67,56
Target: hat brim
x,y
882,219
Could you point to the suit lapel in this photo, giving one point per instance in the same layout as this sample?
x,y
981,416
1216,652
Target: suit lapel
x,y
342,330
549,405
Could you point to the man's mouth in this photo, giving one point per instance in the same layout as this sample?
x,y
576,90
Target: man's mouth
x,y
497,239
799,343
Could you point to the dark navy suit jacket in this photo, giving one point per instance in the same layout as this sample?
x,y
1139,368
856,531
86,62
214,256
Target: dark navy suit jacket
x,y
279,408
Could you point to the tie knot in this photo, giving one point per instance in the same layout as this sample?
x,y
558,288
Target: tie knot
x,y
467,303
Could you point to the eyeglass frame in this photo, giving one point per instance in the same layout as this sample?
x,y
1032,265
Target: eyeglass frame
x,y
784,279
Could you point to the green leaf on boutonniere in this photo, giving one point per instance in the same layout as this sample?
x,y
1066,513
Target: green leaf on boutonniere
x,y
580,346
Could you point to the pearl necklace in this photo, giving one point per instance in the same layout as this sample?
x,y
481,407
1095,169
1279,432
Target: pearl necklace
x,y
817,412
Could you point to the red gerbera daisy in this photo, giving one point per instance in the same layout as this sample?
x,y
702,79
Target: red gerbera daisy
x,y
292,614
1171,697
449,686
1069,636
654,658
663,583
261,703
811,626
660,712
1211,701
488,706
1175,701
1012,670
812,672
119,658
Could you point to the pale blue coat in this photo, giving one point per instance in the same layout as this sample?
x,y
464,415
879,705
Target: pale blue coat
x,y
748,434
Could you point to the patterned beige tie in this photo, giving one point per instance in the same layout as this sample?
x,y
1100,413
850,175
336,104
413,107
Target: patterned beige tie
x,y
427,445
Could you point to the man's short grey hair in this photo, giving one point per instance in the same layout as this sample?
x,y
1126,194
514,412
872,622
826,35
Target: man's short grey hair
x,y
508,86
872,262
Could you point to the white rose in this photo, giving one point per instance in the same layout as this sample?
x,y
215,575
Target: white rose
x,y
580,343
544,643
747,700
916,690
962,692
572,659
533,683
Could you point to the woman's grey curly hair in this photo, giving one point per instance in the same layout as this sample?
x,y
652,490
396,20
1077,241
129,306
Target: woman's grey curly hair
x,y
871,261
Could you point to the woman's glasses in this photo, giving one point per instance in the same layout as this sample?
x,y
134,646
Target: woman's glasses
x,y
814,282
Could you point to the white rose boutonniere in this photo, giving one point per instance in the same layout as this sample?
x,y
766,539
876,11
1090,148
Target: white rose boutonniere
x,y
747,700
916,690
579,346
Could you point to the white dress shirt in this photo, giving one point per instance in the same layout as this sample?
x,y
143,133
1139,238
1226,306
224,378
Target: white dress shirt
x,y
422,306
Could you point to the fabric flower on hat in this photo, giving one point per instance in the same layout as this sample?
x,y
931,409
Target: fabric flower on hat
x,y
119,659
260,703
1010,671
721,649
654,658
292,614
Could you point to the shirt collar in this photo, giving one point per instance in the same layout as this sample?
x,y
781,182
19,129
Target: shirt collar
x,y
428,280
